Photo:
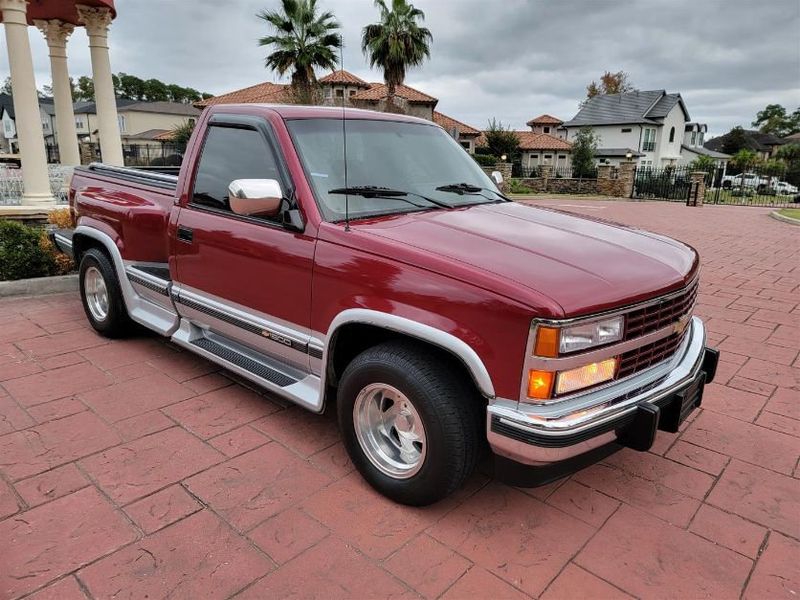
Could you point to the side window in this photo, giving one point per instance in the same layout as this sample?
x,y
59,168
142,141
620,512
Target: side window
x,y
231,153
672,135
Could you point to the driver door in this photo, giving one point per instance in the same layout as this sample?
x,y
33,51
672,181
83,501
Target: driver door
x,y
242,277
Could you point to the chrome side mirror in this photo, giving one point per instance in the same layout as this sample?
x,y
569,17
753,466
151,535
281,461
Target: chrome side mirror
x,y
497,177
255,197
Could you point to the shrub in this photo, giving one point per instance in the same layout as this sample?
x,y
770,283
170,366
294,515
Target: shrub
x,y
62,219
23,253
515,186
486,160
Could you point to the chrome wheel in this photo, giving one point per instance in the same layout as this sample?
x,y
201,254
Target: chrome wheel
x,y
96,292
389,430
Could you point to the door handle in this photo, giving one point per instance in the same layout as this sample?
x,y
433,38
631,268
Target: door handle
x,y
185,234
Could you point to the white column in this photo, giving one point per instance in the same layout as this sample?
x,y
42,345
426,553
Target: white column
x,y
26,105
97,21
56,33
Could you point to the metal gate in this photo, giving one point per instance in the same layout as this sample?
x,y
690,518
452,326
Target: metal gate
x,y
668,183
755,186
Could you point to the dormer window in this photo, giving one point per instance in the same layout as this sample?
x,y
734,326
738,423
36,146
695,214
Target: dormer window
x,y
546,129
694,138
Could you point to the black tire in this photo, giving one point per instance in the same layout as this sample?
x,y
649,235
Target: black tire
x,y
116,323
447,403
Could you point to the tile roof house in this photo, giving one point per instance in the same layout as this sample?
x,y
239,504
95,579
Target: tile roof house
x,y
692,146
548,124
647,123
344,88
464,134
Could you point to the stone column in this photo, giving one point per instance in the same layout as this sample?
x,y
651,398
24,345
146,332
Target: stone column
x,y
56,33
97,21
26,105
604,180
626,171
505,171
698,178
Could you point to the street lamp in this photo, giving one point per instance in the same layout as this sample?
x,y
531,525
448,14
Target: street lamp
x,y
629,155
503,158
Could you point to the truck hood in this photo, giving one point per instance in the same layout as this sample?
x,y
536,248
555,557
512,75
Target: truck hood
x,y
582,264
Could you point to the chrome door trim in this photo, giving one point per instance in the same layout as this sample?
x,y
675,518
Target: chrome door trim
x,y
258,330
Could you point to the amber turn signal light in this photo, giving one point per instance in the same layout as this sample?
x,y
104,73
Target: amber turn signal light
x,y
540,384
546,342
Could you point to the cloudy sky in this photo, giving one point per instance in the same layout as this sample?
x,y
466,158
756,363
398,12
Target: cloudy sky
x,y
510,59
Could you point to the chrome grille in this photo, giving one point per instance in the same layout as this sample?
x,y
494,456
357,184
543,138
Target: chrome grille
x,y
643,357
657,315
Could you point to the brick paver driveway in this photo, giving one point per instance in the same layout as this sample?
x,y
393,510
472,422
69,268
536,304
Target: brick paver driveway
x,y
130,469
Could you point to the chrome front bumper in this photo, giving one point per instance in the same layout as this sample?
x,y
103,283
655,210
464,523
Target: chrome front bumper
x,y
540,435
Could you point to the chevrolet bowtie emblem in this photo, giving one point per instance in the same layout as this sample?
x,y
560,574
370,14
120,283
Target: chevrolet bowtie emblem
x,y
680,325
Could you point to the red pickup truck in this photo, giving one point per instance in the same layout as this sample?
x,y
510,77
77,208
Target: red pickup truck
x,y
393,281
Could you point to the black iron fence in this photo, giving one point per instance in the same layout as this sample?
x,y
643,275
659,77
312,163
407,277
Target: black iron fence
x,y
152,155
760,186
668,183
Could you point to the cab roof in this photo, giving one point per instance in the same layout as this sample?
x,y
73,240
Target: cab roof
x,y
294,111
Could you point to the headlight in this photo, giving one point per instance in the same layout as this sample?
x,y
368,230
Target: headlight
x,y
551,341
588,335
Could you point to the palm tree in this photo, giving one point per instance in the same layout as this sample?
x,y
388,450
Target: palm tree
x,y
302,39
396,43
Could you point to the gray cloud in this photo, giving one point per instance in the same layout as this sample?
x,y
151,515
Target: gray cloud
x,y
510,59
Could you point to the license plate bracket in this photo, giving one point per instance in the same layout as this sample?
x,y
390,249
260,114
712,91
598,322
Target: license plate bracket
x,y
682,404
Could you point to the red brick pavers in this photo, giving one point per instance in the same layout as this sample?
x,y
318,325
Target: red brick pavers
x,y
129,469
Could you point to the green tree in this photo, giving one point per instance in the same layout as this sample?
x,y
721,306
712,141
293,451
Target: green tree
x,y
790,154
775,119
302,39
501,140
734,140
155,91
181,133
85,88
396,43
745,159
703,163
584,149
610,83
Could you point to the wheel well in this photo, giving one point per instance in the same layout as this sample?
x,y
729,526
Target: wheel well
x,y
352,339
82,243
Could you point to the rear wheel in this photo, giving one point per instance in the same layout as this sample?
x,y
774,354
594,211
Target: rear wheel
x,y
102,296
410,423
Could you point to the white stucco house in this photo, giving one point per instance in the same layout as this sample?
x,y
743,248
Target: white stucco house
x,y
648,125
692,148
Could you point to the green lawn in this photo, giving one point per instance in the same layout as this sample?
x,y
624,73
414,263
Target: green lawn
x,y
792,213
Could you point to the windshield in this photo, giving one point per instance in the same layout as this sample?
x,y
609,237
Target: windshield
x,y
409,157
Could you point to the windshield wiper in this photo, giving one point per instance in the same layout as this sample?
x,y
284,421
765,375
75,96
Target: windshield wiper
x,y
468,188
374,191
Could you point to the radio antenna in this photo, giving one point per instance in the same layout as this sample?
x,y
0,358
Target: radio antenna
x,y
344,138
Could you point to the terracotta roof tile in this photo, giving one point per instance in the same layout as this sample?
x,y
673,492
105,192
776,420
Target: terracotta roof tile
x,y
449,123
266,92
377,91
344,77
545,120
529,140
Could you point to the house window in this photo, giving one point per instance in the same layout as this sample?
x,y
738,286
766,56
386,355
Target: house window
x,y
121,121
465,145
694,138
626,130
340,93
192,122
649,143
700,137
328,92
671,135
352,93
562,156
546,129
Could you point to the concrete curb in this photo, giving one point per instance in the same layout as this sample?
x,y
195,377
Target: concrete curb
x,y
776,215
39,286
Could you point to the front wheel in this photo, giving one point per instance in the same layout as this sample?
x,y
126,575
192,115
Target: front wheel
x,y
410,422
